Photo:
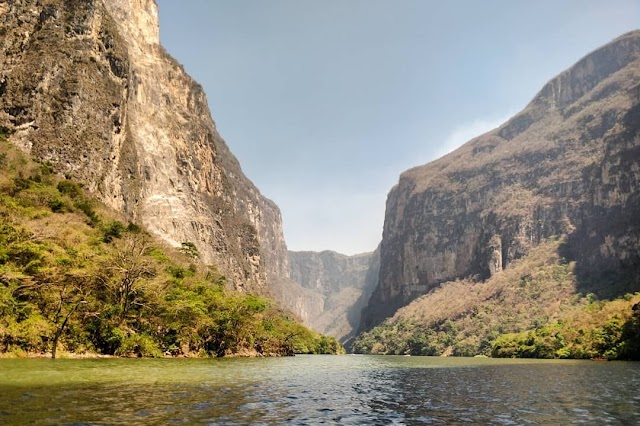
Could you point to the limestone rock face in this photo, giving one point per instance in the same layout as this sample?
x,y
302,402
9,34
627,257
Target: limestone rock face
x,y
86,86
328,271
335,288
568,164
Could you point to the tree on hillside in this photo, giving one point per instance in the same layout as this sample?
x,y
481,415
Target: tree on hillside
x,y
127,270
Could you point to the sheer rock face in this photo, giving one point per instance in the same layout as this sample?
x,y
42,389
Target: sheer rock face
x,y
569,163
337,287
86,86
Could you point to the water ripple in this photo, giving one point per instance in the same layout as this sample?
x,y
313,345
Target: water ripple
x,y
312,390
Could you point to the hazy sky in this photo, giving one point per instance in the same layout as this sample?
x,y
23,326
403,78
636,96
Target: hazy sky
x,y
326,102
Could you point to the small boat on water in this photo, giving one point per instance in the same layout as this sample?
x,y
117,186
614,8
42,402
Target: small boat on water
x,y
599,358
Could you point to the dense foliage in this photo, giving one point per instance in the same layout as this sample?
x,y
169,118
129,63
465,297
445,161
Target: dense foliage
x,y
75,278
615,336
531,309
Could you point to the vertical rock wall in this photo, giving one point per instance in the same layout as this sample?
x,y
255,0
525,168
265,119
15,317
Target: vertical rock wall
x,y
336,288
85,85
568,164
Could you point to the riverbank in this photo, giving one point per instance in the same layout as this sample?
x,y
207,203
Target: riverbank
x,y
247,353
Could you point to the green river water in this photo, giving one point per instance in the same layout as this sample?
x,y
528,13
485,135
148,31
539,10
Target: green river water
x,y
318,390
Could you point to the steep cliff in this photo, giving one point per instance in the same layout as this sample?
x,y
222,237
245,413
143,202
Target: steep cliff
x,y
568,164
86,86
336,287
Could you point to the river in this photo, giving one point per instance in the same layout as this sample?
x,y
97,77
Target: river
x,y
318,389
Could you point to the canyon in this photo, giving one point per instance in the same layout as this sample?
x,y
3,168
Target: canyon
x,y
87,88
340,285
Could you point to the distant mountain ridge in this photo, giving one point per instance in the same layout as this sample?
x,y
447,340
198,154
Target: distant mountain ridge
x,y
568,164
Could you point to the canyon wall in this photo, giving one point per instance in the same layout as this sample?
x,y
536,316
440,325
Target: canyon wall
x,y
568,164
340,286
86,86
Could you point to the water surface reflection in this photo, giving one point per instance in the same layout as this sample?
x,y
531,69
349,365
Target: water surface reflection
x,y
319,389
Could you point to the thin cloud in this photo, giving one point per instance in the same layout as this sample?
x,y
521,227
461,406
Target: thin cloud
x,y
465,132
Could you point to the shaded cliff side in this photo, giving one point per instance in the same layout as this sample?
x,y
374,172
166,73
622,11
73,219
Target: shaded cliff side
x,y
568,164
336,287
86,86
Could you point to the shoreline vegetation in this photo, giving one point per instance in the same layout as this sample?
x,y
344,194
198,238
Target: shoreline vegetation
x,y
75,278
533,309
95,355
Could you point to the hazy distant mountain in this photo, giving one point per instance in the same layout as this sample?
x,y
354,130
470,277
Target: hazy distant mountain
x,y
340,285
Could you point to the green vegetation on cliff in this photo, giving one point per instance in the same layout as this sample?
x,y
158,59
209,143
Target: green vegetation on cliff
x,y
75,278
531,309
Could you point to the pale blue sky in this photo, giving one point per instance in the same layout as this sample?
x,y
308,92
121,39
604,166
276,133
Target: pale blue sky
x,y
326,102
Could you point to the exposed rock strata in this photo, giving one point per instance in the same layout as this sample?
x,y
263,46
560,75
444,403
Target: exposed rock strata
x,y
569,163
86,86
334,288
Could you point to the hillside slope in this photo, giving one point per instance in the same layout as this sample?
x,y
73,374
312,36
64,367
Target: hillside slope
x,y
568,164
75,278
531,309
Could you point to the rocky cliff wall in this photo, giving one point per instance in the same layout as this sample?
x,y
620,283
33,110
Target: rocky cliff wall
x,y
569,163
328,271
86,86
334,288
